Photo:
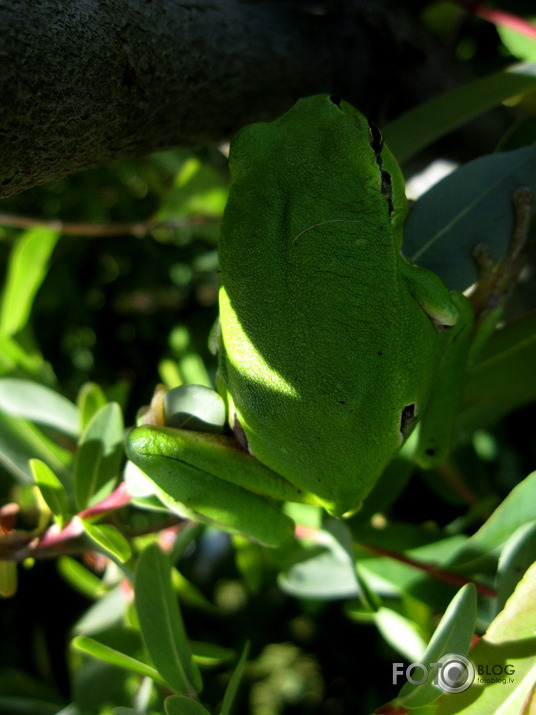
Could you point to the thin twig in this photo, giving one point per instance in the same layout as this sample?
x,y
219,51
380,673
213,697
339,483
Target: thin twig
x,y
137,229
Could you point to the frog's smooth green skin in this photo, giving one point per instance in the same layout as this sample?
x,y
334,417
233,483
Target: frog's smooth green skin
x,y
331,343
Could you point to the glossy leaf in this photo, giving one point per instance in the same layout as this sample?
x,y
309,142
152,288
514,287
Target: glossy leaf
x,y
470,206
518,554
509,641
195,407
90,400
453,635
329,574
40,404
401,633
114,657
52,490
109,539
161,623
99,456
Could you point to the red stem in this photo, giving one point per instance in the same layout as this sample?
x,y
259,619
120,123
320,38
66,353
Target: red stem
x,y
500,18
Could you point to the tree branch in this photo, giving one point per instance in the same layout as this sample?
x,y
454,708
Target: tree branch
x,y
84,82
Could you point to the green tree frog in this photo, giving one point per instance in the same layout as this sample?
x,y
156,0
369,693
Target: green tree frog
x,y
332,345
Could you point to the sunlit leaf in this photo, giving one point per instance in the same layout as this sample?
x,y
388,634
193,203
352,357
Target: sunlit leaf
x,y
90,400
99,456
114,657
108,538
453,635
505,660
40,404
26,270
52,490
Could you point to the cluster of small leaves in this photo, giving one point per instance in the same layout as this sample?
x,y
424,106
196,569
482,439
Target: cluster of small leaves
x,y
424,586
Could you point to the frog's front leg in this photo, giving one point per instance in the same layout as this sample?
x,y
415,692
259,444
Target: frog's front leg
x,y
437,426
213,480
476,319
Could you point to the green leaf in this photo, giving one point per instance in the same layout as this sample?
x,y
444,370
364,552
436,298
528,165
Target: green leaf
x,y
330,574
209,655
161,623
181,705
21,441
105,613
423,125
503,377
514,512
470,206
509,641
109,539
234,683
90,400
8,579
31,706
453,635
114,657
13,358
516,557
195,407
249,562
81,578
52,490
198,189
40,404
99,456
401,633
521,46
26,270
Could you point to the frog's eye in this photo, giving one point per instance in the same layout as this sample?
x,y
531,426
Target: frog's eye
x,y
408,419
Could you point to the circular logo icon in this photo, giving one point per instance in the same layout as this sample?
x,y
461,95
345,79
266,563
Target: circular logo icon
x,y
455,673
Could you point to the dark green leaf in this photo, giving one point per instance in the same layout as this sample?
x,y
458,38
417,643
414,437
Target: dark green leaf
x,y
470,206
423,125
161,623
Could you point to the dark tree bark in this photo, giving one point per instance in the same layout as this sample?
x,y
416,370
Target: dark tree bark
x,y
83,82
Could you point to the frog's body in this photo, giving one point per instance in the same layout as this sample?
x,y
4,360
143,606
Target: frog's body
x,y
322,337
331,343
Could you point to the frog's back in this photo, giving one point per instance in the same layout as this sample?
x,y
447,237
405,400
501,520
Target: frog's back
x,y
314,312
